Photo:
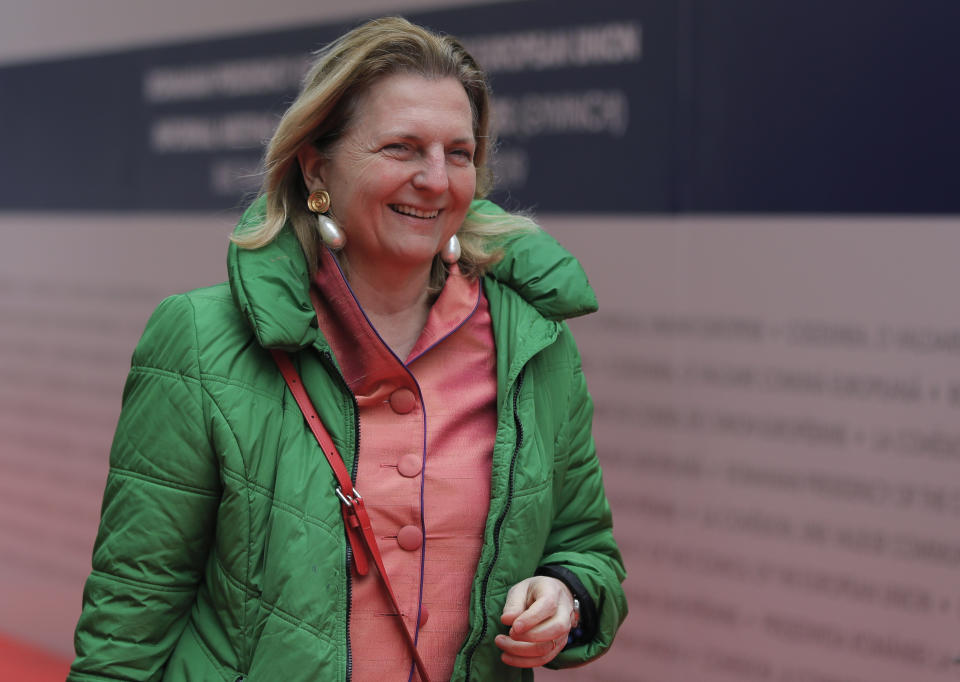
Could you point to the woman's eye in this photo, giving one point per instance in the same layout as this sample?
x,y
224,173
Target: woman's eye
x,y
463,154
397,148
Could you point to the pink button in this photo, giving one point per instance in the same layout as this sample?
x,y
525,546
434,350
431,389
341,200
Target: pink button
x,y
410,538
402,400
409,466
424,615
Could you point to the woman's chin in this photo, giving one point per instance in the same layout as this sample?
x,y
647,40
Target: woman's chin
x,y
415,257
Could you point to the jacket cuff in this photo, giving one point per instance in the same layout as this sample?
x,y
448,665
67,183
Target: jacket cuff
x,y
587,627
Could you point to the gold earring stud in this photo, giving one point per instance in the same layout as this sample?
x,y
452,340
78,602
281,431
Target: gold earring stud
x,y
319,201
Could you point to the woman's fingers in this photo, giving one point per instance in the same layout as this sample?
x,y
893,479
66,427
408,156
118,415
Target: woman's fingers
x,y
539,612
515,604
533,601
522,654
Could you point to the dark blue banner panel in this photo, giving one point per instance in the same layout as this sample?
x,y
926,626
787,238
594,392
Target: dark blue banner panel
x,y
183,127
823,105
606,106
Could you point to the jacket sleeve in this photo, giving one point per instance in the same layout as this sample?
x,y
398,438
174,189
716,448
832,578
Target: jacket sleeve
x,y
158,511
580,548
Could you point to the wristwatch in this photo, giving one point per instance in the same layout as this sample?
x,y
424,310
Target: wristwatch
x,y
576,613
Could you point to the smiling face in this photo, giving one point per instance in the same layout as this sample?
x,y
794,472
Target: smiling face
x,y
401,178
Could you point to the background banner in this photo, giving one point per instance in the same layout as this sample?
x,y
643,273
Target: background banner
x,y
183,127
647,106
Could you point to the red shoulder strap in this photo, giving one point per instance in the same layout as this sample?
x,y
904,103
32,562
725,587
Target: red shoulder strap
x,y
355,517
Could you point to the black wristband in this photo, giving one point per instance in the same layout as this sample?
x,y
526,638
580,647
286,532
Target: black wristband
x,y
587,628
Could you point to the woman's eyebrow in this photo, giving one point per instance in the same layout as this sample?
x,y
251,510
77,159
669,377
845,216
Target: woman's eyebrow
x,y
413,137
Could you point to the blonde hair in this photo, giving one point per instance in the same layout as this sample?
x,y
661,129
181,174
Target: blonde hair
x,y
343,72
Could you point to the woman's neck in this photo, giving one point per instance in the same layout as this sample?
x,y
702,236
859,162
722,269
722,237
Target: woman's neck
x,y
397,305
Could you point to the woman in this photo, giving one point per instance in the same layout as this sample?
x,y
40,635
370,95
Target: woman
x,y
426,325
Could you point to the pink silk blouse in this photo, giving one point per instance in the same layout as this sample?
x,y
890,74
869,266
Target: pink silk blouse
x,y
427,428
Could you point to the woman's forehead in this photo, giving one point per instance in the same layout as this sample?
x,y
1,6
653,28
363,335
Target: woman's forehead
x,y
405,100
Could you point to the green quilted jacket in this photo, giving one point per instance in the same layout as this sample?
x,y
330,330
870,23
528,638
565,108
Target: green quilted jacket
x,y
221,553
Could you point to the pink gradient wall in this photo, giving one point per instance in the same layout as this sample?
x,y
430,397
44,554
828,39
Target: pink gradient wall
x,y
775,410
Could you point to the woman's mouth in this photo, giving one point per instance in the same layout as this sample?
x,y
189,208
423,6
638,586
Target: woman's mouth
x,y
403,209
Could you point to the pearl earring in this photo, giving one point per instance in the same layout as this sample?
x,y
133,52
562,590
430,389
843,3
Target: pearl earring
x,y
450,253
319,202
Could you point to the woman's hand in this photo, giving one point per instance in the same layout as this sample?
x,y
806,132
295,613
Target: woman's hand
x,y
539,611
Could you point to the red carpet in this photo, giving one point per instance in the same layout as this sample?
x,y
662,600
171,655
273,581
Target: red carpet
x,y
27,663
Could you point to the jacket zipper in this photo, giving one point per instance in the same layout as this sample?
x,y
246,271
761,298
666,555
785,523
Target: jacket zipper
x,y
498,526
349,602
353,477
328,358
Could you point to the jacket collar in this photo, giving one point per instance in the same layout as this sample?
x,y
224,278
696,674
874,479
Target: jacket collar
x,y
271,285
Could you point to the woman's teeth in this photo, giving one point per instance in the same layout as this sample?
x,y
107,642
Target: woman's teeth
x,y
415,212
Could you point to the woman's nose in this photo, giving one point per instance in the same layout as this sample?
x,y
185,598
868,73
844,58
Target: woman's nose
x,y
432,176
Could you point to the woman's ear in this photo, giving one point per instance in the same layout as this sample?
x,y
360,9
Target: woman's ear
x,y
312,163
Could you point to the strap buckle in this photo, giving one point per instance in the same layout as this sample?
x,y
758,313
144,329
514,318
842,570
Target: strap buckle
x,y
348,500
